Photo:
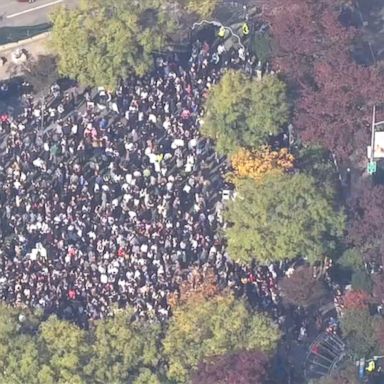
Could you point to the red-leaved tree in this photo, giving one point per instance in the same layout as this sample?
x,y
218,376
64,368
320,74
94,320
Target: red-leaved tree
x,y
301,288
365,229
337,112
313,51
243,367
303,32
356,299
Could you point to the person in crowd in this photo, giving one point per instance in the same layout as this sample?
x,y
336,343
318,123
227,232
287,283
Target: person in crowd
x,y
106,205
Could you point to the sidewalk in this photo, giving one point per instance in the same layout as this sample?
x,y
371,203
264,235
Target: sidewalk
x,y
34,47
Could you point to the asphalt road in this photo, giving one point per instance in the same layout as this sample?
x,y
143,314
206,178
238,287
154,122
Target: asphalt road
x,y
14,13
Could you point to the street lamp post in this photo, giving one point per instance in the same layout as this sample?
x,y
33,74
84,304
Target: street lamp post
x,y
291,139
42,114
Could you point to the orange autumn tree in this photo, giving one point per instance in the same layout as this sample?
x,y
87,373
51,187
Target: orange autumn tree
x,y
200,284
256,164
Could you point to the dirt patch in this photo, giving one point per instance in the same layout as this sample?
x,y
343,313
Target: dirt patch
x,y
32,48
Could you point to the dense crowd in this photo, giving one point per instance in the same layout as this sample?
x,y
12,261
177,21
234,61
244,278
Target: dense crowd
x,y
107,205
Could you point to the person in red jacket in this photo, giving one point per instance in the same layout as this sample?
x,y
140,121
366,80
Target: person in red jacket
x,y
72,294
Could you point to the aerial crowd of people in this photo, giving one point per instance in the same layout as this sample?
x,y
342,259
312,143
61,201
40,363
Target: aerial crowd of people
x,y
108,204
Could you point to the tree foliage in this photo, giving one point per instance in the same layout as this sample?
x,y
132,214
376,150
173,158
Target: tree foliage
x,y
337,111
313,50
358,328
361,280
242,367
244,112
117,350
103,40
146,376
304,32
346,375
294,34
378,288
301,288
255,164
379,332
41,72
202,329
280,218
356,300
64,351
122,350
367,221
351,259
202,8
19,354
262,46
317,162
121,347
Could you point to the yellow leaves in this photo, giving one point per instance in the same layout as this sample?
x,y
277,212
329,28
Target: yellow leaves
x,y
202,8
218,325
256,164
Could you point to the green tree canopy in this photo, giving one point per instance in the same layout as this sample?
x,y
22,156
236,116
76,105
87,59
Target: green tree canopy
x,y
103,40
205,328
121,347
352,259
201,8
317,162
361,280
64,349
117,350
19,355
358,328
146,376
283,216
244,112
